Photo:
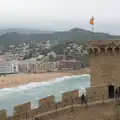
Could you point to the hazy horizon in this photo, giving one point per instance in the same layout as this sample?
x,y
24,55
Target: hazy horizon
x,y
57,15
106,28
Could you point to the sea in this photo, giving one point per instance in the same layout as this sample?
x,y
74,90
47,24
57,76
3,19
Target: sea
x,y
32,92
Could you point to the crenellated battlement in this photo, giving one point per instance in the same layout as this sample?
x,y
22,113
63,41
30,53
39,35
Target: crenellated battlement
x,y
48,104
44,105
104,61
98,47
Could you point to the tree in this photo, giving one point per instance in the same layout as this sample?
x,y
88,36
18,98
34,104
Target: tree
x,y
28,56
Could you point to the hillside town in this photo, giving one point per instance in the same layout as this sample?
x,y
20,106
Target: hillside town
x,y
28,58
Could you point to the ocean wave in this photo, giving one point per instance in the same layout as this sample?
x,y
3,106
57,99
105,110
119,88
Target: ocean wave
x,y
34,91
31,85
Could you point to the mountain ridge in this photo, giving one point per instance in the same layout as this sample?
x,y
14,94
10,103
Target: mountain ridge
x,y
23,31
75,34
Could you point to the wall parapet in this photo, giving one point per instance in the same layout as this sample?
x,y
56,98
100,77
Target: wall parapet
x,y
24,112
98,47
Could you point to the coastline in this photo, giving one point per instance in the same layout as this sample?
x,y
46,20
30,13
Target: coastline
x,y
23,79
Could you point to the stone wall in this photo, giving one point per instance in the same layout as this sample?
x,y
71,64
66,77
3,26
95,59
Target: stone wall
x,y
69,106
106,111
104,60
97,93
22,108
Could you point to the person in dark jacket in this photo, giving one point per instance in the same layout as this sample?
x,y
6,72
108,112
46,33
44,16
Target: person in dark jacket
x,y
116,93
83,99
119,95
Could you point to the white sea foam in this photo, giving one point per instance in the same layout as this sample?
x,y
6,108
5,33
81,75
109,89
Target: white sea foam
x,y
34,91
7,91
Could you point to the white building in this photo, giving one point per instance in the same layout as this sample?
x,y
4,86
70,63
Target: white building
x,y
37,66
8,67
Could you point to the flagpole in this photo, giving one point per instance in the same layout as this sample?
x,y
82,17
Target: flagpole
x,y
92,23
92,28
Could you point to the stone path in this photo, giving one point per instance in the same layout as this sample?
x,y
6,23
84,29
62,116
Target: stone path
x,y
77,105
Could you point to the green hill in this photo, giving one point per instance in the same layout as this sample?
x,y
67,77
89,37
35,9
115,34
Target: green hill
x,y
76,34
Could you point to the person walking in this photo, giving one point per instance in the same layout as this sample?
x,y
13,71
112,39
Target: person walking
x,y
116,93
83,99
119,95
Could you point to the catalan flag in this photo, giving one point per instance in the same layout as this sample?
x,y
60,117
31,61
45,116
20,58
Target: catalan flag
x,y
92,21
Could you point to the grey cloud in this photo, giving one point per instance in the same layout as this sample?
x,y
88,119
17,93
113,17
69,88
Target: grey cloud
x,y
60,14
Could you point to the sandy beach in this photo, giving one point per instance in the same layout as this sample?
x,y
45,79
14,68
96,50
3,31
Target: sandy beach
x,y
22,79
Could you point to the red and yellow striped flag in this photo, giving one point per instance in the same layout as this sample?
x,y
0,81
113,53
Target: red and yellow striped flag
x,y
92,21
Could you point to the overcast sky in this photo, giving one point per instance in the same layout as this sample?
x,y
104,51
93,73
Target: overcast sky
x,y
60,14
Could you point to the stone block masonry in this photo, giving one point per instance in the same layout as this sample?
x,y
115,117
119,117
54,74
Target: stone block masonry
x,y
104,59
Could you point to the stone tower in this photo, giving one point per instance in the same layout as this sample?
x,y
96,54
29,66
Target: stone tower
x,y
104,60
